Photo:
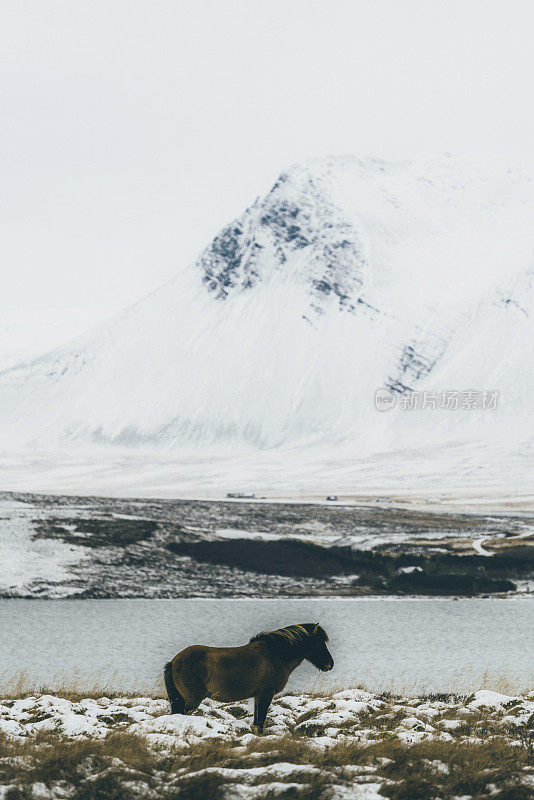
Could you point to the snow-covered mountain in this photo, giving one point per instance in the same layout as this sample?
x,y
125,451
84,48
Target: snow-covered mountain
x,y
349,276
26,335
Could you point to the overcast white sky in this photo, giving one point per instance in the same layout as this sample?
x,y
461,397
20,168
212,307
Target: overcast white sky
x,y
132,130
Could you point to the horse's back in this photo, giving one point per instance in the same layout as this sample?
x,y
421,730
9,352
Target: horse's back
x,y
193,653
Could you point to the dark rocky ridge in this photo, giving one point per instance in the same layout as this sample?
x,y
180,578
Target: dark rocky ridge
x,y
186,548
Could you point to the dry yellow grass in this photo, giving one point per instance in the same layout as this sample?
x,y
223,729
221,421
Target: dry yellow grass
x,y
79,685
123,766
75,686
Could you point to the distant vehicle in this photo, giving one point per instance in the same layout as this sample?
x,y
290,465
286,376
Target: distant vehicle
x,y
240,496
332,498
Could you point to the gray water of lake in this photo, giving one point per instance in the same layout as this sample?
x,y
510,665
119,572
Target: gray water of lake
x,y
403,645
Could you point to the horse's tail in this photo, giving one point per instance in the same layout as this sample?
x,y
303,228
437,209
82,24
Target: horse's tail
x,y
176,699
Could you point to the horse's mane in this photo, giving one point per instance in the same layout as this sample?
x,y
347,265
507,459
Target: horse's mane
x,y
286,640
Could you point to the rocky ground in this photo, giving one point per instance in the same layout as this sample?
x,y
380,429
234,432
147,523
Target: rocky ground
x,y
350,744
57,546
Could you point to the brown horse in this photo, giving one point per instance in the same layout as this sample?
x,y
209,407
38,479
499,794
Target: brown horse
x,y
258,669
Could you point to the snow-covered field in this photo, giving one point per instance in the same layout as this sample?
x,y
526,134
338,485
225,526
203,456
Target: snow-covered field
x,y
350,744
24,559
471,477
325,719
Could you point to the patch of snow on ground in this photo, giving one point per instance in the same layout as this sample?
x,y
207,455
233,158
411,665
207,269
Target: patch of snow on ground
x,y
488,699
24,559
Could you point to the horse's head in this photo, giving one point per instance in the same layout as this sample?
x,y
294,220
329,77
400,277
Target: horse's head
x,y
296,642
316,650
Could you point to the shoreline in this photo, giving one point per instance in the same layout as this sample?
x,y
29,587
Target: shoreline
x,y
524,596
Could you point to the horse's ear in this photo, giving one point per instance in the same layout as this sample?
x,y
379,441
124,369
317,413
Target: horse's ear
x,y
316,629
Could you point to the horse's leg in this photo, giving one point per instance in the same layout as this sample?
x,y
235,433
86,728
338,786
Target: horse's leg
x,y
175,698
178,704
261,706
255,723
194,692
190,686
193,703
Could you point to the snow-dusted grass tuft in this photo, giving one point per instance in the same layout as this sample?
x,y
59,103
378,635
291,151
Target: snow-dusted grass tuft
x,y
346,744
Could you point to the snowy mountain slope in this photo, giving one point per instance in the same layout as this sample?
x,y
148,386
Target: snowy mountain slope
x,y
26,335
351,275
